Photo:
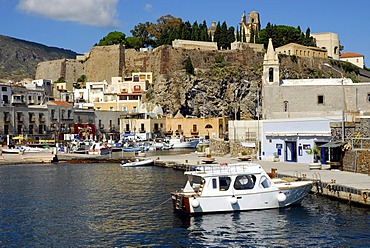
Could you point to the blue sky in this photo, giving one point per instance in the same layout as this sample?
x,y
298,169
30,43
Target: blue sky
x,y
79,24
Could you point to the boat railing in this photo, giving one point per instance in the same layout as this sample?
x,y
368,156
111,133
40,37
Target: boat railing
x,y
229,168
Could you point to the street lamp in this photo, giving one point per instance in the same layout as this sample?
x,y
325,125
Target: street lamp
x,y
343,100
204,100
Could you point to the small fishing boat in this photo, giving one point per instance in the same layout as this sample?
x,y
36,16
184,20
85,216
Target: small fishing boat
x,y
137,162
15,150
99,149
236,187
183,143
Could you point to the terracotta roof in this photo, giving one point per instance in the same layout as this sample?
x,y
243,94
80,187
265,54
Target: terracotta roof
x,y
60,103
350,55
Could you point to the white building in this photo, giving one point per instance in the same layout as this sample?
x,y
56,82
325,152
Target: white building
x,y
354,58
290,140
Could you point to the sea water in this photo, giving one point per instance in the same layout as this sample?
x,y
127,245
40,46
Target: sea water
x,y
73,205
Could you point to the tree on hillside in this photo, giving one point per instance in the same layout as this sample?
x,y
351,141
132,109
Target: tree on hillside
x,y
165,25
113,38
141,31
282,35
133,42
203,32
189,66
185,31
195,31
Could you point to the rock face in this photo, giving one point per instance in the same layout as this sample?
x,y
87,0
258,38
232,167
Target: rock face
x,y
19,58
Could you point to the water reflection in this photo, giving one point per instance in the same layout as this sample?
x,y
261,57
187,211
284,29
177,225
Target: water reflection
x,y
318,222
106,205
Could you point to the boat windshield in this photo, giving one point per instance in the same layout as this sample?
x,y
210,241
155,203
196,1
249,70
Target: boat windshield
x,y
244,182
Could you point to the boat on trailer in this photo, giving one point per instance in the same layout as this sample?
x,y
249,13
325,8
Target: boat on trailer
x,y
236,187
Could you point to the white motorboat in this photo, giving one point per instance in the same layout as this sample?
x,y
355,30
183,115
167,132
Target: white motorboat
x,y
137,162
99,149
28,149
183,143
236,187
16,150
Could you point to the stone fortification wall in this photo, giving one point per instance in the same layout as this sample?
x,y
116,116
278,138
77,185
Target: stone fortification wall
x,y
50,69
69,69
73,70
105,62
137,61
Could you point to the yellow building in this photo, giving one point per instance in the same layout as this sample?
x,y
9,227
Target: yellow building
x,y
302,51
142,125
194,127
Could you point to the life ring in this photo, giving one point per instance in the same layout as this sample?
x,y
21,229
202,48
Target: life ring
x,y
223,164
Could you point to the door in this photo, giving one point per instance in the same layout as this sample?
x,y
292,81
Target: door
x,y
290,151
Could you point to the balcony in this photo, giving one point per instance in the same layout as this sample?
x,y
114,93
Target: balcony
x,y
194,132
168,132
42,119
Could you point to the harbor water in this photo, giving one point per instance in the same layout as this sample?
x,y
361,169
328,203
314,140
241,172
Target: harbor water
x,y
74,205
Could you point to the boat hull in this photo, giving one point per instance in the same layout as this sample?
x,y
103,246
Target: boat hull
x,y
138,163
184,204
178,143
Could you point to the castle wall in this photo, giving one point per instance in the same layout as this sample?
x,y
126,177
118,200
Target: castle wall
x,y
105,62
49,69
69,69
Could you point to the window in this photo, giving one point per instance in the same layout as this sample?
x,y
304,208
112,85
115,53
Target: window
x,y
368,97
271,75
286,103
244,182
214,183
224,183
265,183
4,88
320,99
194,128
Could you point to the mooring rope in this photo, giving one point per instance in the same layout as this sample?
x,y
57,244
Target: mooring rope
x,y
160,205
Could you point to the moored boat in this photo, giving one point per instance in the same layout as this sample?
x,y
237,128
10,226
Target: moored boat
x,y
184,143
137,162
236,187
99,149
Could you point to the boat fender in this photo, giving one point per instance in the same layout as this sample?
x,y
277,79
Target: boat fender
x,y
233,200
195,203
281,197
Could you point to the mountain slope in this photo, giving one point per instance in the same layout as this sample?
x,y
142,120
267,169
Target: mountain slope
x,y
19,58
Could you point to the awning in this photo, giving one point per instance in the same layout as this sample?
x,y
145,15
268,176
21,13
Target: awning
x,y
18,138
332,144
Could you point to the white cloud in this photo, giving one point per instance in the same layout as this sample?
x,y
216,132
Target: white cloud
x,y
148,7
92,12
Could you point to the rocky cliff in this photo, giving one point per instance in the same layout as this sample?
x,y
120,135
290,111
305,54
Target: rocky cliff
x,y
19,58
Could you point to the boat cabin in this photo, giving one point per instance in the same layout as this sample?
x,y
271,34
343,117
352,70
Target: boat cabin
x,y
226,180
